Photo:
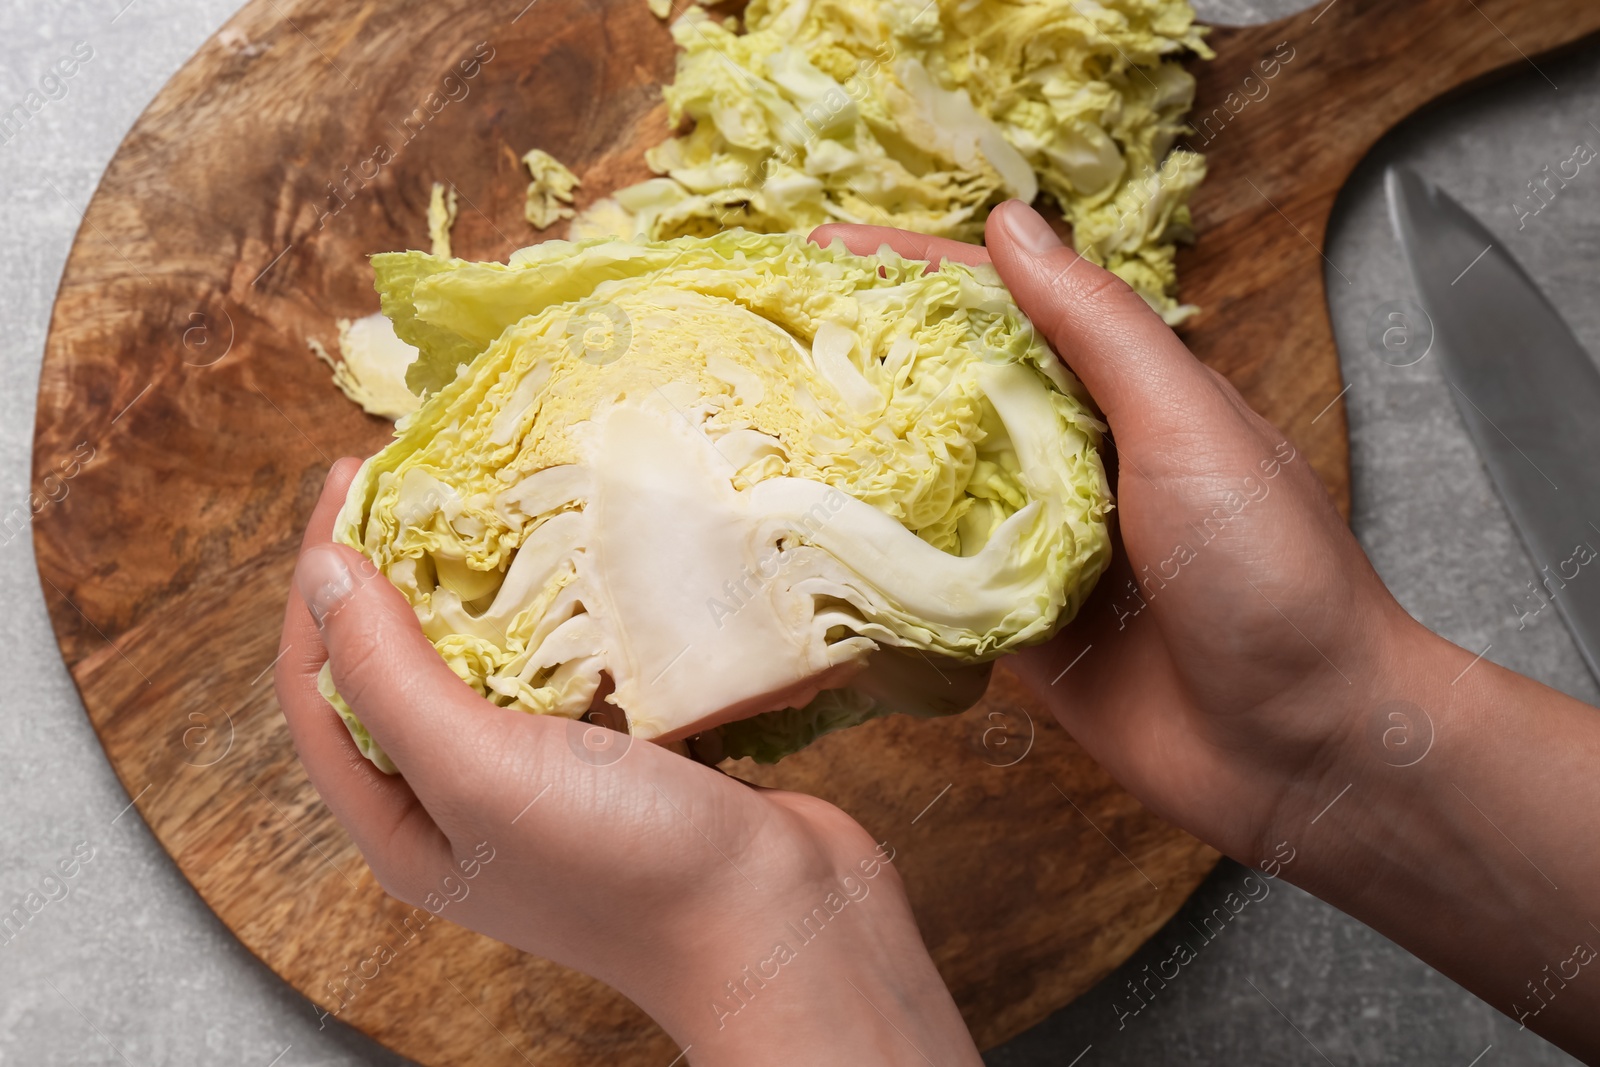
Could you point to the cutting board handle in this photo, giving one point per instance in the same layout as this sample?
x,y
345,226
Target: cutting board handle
x,y
1283,115
1348,71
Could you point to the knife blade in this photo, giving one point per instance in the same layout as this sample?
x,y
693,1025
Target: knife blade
x,y
1527,391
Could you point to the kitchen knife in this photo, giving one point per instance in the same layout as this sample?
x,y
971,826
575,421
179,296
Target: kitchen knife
x,y
1527,391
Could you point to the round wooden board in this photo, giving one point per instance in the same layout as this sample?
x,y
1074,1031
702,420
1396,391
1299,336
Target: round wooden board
x,y
178,390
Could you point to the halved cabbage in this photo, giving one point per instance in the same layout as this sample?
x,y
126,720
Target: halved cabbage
x,y
707,479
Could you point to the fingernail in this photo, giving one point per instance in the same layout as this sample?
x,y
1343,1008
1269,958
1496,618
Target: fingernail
x,y
1028,228
325,583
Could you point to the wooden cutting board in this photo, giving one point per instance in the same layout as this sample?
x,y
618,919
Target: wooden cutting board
x,y
184,429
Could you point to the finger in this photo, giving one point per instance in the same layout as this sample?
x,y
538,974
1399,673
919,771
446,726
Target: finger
x,y
380,811
335,488
1126,356
435,728
865,240
300,651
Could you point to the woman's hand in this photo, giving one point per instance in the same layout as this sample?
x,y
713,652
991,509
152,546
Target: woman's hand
x,y
1215,669
735,916
1244,672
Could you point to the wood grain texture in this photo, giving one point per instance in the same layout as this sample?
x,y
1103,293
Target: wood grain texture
x,y
231,228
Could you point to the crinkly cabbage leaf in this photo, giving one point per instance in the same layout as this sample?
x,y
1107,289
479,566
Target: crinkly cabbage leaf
x,y
702,480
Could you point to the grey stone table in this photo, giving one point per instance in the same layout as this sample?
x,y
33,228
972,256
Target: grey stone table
x,y
131,968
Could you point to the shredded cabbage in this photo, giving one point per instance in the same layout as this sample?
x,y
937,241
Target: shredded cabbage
x,y
708,479
924,114
442,209
549,191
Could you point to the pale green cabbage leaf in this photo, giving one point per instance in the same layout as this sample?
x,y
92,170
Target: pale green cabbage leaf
x,y
705,480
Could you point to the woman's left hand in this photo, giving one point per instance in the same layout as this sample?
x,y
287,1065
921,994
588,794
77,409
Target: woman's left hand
x,y
754,925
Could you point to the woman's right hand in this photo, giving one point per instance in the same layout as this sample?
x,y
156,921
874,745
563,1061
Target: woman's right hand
x,y
1216,669
1244,672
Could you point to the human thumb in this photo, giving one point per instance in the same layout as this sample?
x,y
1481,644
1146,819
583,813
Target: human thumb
x,y
1127,357
383,666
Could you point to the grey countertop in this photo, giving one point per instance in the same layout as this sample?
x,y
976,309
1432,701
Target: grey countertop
x,y
131,968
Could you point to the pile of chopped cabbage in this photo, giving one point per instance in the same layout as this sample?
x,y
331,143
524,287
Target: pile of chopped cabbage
x,y
924,114
740,483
